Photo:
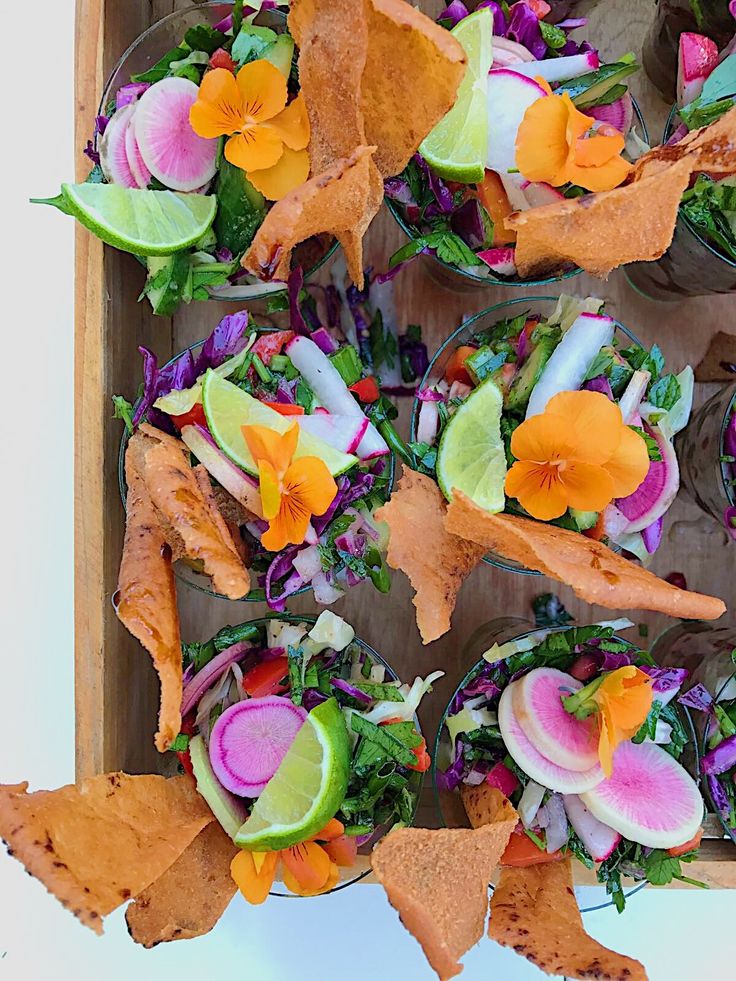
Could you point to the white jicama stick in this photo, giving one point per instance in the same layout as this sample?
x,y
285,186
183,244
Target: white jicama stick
x,y
560,69
222,469
633,394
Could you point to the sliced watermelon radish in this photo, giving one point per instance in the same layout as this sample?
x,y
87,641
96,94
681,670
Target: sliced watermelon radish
x,y
501,261
598,838
697,56
249,741
557,735
509,97
654,496
538,193
170,148
560,69
649,799
618,114
342,432
113,157
137,164
513,186
502,778
531,761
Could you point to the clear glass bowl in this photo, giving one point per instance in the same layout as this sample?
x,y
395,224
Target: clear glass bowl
x,y
362,868
182,569
699,449
464,280
148,48
448,804
465,333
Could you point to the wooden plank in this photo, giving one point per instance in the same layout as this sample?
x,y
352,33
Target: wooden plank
x,y
116,689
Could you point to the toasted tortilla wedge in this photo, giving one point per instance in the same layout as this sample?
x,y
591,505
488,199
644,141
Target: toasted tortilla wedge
x,y
596,574
147,595
437,881
415,516
96,845
534,911
191,895
484,804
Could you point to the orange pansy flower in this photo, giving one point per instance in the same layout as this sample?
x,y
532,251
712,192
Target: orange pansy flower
x,y
555,144
308,869
268,139
578,453
291,490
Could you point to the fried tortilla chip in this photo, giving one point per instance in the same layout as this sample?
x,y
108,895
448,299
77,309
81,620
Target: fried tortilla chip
x,y
413,64
175,492
534,911
484,804
96,845
147,595
719,362
335,201
190,897
632,223
596,574
415,516
437,881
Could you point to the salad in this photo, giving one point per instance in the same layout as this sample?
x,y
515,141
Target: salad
x,y
564,722
551,363
305,745
281,421
501,149
718,763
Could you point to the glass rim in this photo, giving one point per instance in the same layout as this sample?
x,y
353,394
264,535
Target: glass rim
x,y
377,658
123,489
491,279
730,409
496,562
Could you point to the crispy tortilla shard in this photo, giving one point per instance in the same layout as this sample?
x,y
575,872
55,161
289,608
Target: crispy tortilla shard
x,y
437,881
415,516
632,223
97,845
534,911
596,574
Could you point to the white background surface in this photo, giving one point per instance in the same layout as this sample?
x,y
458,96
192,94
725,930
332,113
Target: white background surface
x,y
678,935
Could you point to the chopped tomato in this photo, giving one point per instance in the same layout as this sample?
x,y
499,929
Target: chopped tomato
x,y
598,530
285,408
390,722
456,370
687,846
495,200
540,8
343,850
267,678
424,760
269,344
521,851
366,389
194,416
221,59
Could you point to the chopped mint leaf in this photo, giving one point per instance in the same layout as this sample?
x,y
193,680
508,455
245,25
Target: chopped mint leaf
x,y
123,410
180,744
665,392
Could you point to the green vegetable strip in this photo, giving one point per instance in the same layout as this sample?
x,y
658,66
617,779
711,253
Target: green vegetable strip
x,y
388,743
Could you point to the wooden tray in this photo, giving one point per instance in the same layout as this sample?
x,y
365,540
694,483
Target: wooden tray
x,y
116,688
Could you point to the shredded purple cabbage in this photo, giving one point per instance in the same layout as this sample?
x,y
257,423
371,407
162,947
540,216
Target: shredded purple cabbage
x,y
226,340
282,564
453,14
666,679
414,356
524,29
721,758
178,374
499,19
698,697
442,194
89,151
600,384
130,93
452,777
356,693
719,797
467,222
325,341
295,283
313,697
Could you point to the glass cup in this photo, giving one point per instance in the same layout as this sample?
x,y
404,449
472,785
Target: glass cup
x,y
362,867
449,806
673,17
465,333
466,280
185,571
700,449
142,54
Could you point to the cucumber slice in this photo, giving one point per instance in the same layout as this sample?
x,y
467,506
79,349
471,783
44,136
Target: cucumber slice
x,y
588,89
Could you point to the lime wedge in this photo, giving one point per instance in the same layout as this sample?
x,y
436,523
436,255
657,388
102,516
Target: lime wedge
x,y
141,222
228,408
308,787
457,147
471,457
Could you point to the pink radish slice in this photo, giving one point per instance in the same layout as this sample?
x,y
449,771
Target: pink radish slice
x,y
618,114
509,97
649,799
170,148
598,838
502,778
655,494
141,173
557,735
560,69
513,185
500,261
531,761
538,193
249,741
342,432
697,56
113,156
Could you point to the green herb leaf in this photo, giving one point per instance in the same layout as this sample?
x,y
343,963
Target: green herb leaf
x,y
123,410
386,737
554,37
665,392
180,744
653,450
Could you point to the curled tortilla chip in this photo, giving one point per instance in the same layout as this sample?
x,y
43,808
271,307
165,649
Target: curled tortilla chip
x,y
596,574
335,201
437,881
147,595
485,804
415,516
191,895
96,845
534,911
413,64
632,223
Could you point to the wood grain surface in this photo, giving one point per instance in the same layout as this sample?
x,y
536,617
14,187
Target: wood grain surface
x,y
115,685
